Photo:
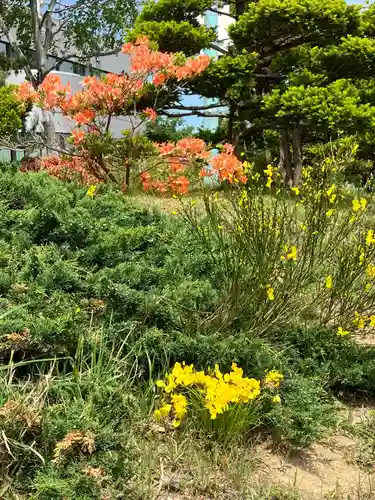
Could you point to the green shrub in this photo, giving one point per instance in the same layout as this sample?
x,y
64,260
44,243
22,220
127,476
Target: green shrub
x,y
305,414
283,257
340,363
253,355
119,294
11,114
67,259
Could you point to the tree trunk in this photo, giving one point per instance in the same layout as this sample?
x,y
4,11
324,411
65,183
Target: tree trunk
x,y
240,7
39,50
297,154
285,162
233,136
230,123
49,132
40,59
127,174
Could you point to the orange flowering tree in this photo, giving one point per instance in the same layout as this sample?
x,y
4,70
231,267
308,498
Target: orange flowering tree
x,y
92,109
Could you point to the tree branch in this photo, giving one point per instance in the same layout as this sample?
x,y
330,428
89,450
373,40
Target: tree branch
x,y
221,13
283,44
66,7
281,122
62,25
51,5
194,113
48,12
271,76
197,108
216,47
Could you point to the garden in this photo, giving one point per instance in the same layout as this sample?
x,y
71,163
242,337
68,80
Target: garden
x,y
190,314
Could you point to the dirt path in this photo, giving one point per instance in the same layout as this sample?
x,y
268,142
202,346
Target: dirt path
x,y
325,471
318,471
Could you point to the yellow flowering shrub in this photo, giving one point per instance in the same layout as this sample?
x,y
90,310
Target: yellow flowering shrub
x,y
217,393
289,255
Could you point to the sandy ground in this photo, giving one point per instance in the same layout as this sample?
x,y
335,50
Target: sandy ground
x,y
325,471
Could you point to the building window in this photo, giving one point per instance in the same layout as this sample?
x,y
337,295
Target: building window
x,y
51,61
95,71
66,67
79,69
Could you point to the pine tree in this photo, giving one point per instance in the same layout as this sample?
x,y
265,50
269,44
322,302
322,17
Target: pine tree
x,y
295,73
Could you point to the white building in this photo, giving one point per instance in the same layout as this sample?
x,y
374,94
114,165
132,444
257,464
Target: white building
x,y
221,24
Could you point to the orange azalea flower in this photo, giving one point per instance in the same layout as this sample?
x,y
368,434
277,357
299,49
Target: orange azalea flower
x,y
52,93
127,48
193,147
84,117
229,148
142,40
181,72
180,185
151,114
166,148
111,95
26,92
176,166
205,172
227,167
78,136
88,80
160,186
145,178
73,169
159,79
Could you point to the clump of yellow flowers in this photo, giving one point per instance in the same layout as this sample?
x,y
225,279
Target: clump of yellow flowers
x,y
219,391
